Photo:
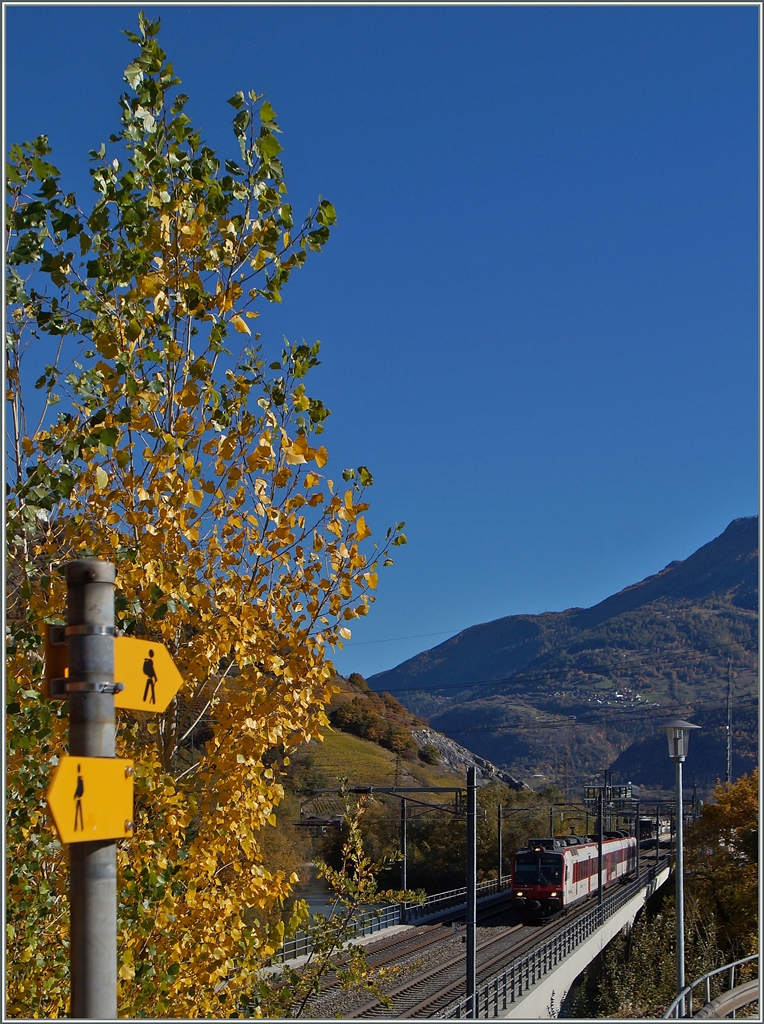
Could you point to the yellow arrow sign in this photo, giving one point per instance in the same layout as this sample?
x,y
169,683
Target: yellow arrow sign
x,y
148,672
91,798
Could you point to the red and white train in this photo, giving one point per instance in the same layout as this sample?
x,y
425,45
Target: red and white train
x,y
553,874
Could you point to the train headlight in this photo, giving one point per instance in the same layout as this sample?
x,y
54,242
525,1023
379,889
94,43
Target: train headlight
x,y
552,893
518,893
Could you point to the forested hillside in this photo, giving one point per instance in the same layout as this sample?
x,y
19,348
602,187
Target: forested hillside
x,y
563,694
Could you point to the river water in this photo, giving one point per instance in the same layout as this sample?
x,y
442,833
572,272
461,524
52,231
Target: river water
x,y
314,891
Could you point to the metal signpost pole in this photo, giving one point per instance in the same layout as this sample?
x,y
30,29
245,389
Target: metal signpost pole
x,y
471,890
93,865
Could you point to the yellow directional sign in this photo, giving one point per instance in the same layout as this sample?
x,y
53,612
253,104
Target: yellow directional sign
x,y
92,798
148,672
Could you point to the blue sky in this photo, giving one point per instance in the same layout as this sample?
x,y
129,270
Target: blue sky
x,y
539,308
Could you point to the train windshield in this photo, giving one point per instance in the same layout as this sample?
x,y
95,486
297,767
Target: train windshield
x,y
538,869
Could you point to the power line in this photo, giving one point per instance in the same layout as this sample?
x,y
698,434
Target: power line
x,y
527,615
414,636
603,715
545,674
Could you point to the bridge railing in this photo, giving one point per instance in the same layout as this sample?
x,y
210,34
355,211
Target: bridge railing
x,y
443,900
496,995
302,943
685,998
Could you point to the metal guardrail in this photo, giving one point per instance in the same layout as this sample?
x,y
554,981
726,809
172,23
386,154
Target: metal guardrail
x,y
302,943
686,995
506,988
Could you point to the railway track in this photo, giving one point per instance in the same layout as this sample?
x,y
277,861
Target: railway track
x,y
429,993
403,949
438,982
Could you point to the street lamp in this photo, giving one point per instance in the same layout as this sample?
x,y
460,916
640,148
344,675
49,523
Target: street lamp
x,y
678,735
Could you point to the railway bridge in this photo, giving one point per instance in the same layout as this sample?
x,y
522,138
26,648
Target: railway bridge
x,y
534,985
523,971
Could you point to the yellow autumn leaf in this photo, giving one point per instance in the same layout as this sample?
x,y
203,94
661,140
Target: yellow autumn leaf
x,y
150,284
334,527
190,234
239,324
345,632
102,479
362,529
298,451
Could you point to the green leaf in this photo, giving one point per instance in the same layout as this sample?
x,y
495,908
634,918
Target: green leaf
x,y
108,436
365,476
326,214
240,123
267,113
133,74
268,146
160,612
237,100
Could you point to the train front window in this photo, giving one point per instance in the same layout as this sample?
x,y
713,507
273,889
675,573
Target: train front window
x,y
533,869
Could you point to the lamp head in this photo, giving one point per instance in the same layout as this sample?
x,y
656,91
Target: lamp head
x,y
678,735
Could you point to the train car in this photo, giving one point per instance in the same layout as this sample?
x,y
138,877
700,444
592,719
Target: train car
x,y
646,828
553,874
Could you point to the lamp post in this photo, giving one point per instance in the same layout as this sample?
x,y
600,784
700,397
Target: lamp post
x,y
678,735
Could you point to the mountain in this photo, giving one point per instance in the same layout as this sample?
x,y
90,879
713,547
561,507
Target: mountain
x,y
564,694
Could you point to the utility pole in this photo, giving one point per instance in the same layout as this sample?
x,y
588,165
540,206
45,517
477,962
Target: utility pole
x,y
403,843
500,850
599,847
90,691
636,833
657,832
471,890
728,772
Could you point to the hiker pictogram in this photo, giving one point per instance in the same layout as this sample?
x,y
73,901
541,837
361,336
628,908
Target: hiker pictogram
x,y
108,811
151,677
148,674
78,800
